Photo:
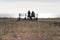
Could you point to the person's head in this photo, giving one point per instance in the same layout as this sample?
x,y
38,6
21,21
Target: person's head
x,y
32,11
28,11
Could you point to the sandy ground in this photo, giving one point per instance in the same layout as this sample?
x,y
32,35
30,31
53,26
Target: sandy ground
x,y
11,29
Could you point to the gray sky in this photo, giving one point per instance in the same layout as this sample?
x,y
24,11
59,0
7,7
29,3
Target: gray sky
x,y
34,0
45,8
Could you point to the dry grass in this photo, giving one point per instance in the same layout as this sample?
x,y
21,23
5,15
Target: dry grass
x,y
10,29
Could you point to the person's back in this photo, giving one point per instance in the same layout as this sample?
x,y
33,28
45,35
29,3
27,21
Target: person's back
x,y
33,14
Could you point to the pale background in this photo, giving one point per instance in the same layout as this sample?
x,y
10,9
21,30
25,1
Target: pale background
x,y
44,8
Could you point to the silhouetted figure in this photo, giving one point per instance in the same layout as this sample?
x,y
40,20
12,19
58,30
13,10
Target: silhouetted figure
x,y
29,13
33,14
37,17
19,16
25,16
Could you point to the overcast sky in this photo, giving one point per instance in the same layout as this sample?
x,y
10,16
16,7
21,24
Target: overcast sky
x,y
44,8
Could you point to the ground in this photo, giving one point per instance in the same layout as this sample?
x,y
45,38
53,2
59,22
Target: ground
x,y
42,29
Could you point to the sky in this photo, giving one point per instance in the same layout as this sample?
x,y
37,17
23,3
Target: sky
x,y
44,8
